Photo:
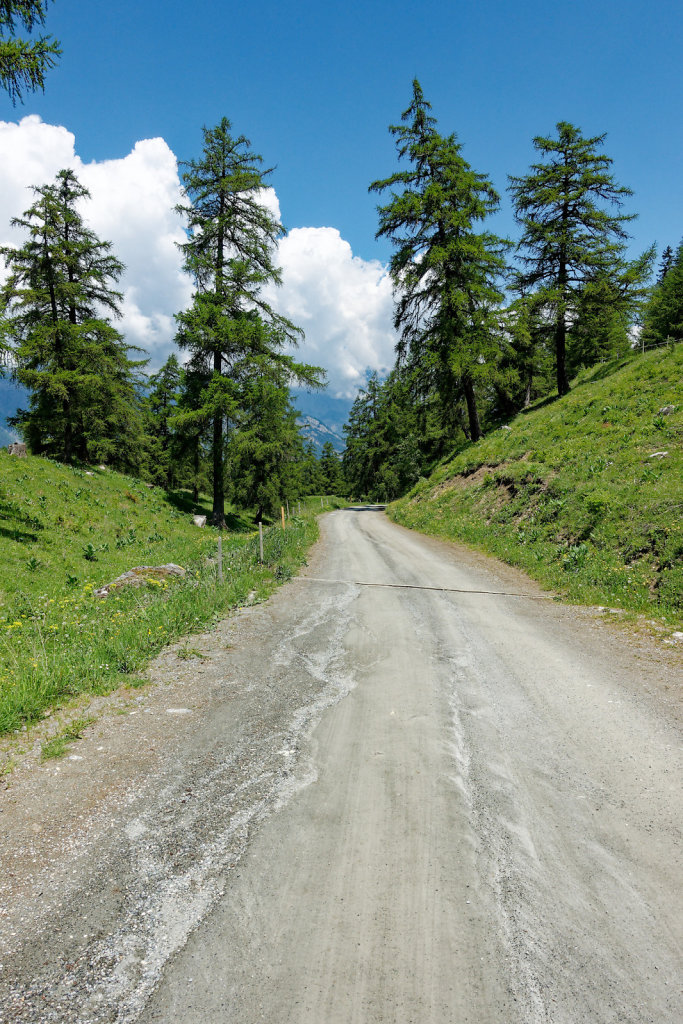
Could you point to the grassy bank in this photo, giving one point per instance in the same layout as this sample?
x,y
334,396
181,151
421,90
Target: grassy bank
x,y
576,491
65,532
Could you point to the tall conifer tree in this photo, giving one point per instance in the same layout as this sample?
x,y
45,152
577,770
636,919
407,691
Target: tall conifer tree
x,y
572,233
230,254
444,271
664,311
68,354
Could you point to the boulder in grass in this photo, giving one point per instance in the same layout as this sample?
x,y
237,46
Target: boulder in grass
x,y
17,448
199,520
140,575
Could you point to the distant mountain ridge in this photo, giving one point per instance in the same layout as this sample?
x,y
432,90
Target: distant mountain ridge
x,y
318,433
12,397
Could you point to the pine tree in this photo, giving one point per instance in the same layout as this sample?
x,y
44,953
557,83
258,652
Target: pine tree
x,y
444,272
266,447
525,369
606,308
76,365
571,233
191,431
160,406
230,254
382,459
666,264
331,470
309,475
23,64
664,312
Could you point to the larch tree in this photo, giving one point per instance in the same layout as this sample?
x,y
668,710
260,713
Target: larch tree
x,y
159,407
663,319
665,264
444,272
568,207
266,448
23,62
56,308
230,253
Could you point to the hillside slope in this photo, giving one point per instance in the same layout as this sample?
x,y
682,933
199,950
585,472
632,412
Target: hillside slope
x,y
585,492
64,532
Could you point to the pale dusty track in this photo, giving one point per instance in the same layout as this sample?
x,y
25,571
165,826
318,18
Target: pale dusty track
x,y
407,805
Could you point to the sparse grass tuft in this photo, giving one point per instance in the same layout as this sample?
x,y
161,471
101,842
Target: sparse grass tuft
x,y
186,653
58,745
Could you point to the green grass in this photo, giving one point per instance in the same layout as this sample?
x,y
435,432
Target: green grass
x,y
58,745
64,533
571,494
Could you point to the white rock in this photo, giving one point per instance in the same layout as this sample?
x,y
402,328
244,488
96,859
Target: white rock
x,y
199,520
178,711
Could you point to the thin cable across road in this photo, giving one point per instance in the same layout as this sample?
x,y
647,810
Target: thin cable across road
x,y
417,586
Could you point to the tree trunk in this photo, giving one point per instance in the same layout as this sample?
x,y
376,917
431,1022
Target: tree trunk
x,y
472,414
68,433
218,513
195,482
527,393
561,325
561,355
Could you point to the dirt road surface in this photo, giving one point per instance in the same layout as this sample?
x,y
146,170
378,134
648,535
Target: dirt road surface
x,y
409,788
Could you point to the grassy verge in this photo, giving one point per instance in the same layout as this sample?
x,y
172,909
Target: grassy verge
x,y
64,533
584,493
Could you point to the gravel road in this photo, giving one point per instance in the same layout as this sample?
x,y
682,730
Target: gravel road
x,y
409,788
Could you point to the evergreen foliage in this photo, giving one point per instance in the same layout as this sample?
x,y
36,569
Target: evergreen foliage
x,y
332,480
23,63
571,232
230,254
57,305
266,449
160,406
607,307
382,458
664,312
666,263
444,272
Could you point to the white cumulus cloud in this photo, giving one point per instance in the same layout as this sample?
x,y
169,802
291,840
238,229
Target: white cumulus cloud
x,y
343,302
132,206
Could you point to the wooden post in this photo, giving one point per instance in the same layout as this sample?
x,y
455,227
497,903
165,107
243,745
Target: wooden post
x,y
220,556
260,540
321,502
288,508
282,513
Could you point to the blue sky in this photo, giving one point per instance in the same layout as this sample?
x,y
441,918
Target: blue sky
x,y
314,86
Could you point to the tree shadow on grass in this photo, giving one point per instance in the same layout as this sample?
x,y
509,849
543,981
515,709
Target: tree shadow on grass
x,y
13,523
183,501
